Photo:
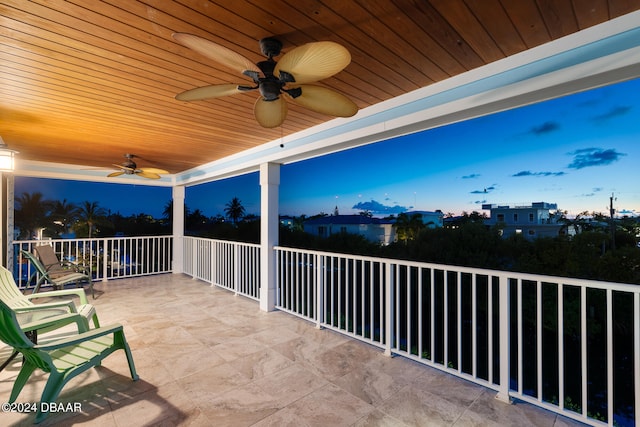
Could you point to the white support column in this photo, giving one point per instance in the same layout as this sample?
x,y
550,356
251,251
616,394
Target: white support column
x,y
6,219
269,222
178,229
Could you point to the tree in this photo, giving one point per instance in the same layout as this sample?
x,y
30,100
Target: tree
x,y
408,227
196,219
63,215
91,214
234,210
167,212
31,215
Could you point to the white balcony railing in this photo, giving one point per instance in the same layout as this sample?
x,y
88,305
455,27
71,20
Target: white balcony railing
x,y
570,346
106,258
231,265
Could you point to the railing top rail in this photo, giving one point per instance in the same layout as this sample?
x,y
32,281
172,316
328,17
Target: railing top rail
x,y
86,239
253,245
569,281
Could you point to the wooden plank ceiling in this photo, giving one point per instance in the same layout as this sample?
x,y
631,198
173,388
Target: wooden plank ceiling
x,y
84,82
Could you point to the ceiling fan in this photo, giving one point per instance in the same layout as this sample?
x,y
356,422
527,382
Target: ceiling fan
x,y
129,167
289,77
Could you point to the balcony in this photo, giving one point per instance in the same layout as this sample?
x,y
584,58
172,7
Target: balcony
x,y
209,357
465,340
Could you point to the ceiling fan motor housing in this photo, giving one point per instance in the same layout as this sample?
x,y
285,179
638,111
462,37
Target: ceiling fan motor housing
x,y
129,165
270,47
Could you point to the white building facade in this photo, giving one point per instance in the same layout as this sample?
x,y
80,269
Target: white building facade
x,y
539,219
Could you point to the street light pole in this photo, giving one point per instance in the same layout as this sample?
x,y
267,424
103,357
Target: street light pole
x,y
612,225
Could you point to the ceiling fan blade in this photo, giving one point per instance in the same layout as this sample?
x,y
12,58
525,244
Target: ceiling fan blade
x,y
270,114
326,101
148,174
122,167
154,171
218,53
112,174
207,92
314,61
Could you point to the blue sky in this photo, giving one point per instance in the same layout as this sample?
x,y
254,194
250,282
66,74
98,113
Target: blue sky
x,y
575,151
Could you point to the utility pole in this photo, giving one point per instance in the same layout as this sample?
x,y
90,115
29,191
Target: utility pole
x,y
612,226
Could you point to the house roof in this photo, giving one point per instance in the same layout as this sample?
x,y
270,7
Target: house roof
x,y
347,220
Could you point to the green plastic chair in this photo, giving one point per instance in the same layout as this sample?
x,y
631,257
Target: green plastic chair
x,y
63,359
54,274
11,295
45,317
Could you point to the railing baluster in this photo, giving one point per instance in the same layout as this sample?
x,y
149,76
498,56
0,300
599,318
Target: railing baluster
x,y
490,340
610,391
459,317
539,340
432,311
520,334
389,304
474,320
636,355
583,350
561,346
445,310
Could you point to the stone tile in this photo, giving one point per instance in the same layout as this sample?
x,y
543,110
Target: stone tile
x,y
291,384
208,384
490,411
417,407
261,363
241,406
378,419
328,406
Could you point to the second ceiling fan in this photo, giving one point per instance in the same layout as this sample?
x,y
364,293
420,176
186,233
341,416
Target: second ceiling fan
x,y
289,77
129,167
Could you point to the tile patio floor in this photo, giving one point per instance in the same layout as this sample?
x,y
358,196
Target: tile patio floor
x,y
208,358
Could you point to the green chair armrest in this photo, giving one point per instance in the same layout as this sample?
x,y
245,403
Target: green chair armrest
x,y
72,267
81,338
79,292
57,304
58,321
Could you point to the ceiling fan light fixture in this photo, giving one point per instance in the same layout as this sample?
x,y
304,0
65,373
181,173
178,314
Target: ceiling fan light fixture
x,y
270,114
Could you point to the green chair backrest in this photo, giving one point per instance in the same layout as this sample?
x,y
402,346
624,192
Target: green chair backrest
x,y
35,262
49,260
10,332
9,292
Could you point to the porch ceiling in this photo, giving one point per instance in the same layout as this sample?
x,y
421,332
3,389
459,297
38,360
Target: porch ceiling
x,y
82,83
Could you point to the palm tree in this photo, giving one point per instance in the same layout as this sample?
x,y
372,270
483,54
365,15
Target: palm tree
x,y
408,227
62,215
31,214
167,212
91,214
234,210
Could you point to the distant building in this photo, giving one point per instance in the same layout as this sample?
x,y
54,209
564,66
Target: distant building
x,y
531,221
375,230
